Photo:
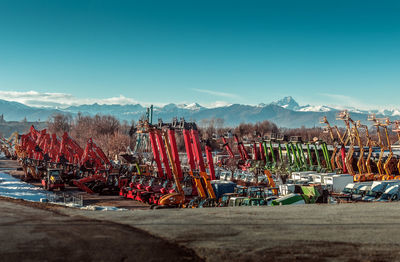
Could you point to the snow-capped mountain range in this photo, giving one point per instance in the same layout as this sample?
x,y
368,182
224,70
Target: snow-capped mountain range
x,y
289,103
285,112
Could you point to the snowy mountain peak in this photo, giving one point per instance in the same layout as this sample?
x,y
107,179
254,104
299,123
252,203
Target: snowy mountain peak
x,y
287,102
192,106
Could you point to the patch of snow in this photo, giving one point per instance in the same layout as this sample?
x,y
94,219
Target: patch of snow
x,y
15,188
315,109
102,208
192,106
131,113
2,156
396,113
218,104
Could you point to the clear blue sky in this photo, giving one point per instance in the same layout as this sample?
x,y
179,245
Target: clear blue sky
x,y
319,52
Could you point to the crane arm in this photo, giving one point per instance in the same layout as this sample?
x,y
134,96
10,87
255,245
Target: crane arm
x,y
227,147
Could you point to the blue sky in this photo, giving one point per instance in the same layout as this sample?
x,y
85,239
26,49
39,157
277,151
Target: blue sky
x,y
320,52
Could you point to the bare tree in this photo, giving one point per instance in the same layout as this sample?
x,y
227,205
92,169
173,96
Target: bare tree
x,y
59,123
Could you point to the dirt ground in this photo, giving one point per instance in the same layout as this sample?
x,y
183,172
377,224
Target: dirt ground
x,y
345,232
33,233
8,164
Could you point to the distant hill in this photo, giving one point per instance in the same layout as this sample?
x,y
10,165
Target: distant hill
x,y
14,111
285,112
6,129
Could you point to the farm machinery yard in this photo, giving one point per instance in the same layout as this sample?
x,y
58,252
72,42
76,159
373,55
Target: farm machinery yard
x,y
173,168
270,169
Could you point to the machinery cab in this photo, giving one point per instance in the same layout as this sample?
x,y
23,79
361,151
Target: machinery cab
x,y
52,179
241,191
235,201
224,201
69,172
225,175
254,202
112,180
256,192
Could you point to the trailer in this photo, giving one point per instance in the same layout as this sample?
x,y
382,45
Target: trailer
x,y
302,177
337,183
286,189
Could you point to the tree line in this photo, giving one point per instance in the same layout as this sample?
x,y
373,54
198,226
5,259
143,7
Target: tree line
x,y
114,136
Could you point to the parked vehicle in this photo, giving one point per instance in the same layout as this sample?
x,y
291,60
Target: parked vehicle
x,y
346,193
378,188
359,193
392,193
348,189
359,190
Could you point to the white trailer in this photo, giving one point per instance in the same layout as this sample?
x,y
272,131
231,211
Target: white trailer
x,y
319,178
301,177
286,189
336,183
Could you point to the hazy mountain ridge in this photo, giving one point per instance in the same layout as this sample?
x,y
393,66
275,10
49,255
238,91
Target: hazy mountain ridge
x,y
285,112
14,111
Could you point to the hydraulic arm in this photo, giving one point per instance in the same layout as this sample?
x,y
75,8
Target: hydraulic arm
x,y
227,147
